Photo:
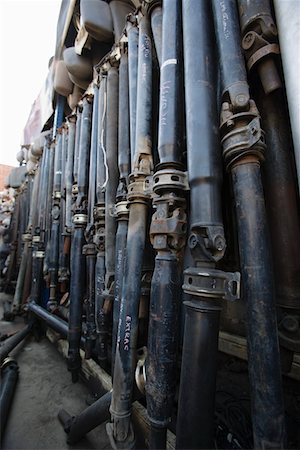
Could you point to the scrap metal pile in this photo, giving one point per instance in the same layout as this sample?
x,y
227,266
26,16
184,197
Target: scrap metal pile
x,y
162,206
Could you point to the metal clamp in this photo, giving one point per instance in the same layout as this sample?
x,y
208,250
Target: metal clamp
x,y
38,254
138,189
212,283
122,210
238,139
170,179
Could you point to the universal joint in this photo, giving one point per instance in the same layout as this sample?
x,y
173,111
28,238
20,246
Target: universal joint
x,y
241,134
99,219
260,43
139,188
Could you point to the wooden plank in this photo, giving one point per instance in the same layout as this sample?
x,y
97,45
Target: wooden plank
x,y
90,369
237,346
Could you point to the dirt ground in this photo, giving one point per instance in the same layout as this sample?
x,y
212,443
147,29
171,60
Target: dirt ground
x,y
43,388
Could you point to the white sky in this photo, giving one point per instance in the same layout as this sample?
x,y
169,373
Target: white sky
x,y
27,42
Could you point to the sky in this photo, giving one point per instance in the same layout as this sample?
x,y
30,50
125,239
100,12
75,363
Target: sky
x,y
27,42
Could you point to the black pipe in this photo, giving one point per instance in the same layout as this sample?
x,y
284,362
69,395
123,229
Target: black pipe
x,y
156,27
90,253
239,117
13,341
78,426
168,240
9,378
77,281
55,227
256,263
99,218
260,42
133,45
64,238
121,195
90,249
120,429
52,321
69,170
110,200
206,239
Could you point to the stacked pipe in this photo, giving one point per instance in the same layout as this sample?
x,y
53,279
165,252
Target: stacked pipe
x,y
112,178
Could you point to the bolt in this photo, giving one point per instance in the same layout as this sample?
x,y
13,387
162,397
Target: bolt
x,y
290,324
241,99
193,240
219,243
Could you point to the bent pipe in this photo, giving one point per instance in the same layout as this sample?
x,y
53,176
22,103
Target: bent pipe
x,y
9,375
78,426
13,341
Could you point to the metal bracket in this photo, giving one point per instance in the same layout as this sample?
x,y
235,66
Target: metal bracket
x,y
212,283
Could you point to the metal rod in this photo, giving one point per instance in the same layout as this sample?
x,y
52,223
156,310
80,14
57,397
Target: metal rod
x,y
239,117
77,427
9,378
168,240
77,284
120,430
13,341
206,240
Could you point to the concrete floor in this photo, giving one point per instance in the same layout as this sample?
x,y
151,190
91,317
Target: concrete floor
x,y
44,387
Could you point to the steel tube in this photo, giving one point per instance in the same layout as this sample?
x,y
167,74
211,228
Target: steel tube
x,y
156,27
77,427
258,293
133,44
201,329
243,161
54,322
9,378
13,341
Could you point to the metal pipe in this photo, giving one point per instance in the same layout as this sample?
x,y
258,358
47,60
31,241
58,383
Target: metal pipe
x,y
133,45
156,27
90,249
206,285
259,42
243,151
13,341
55,226
111,154
9,378
69,170
167,234
120,430
121,195
77,284
99,217
64,237
52,321
78,426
